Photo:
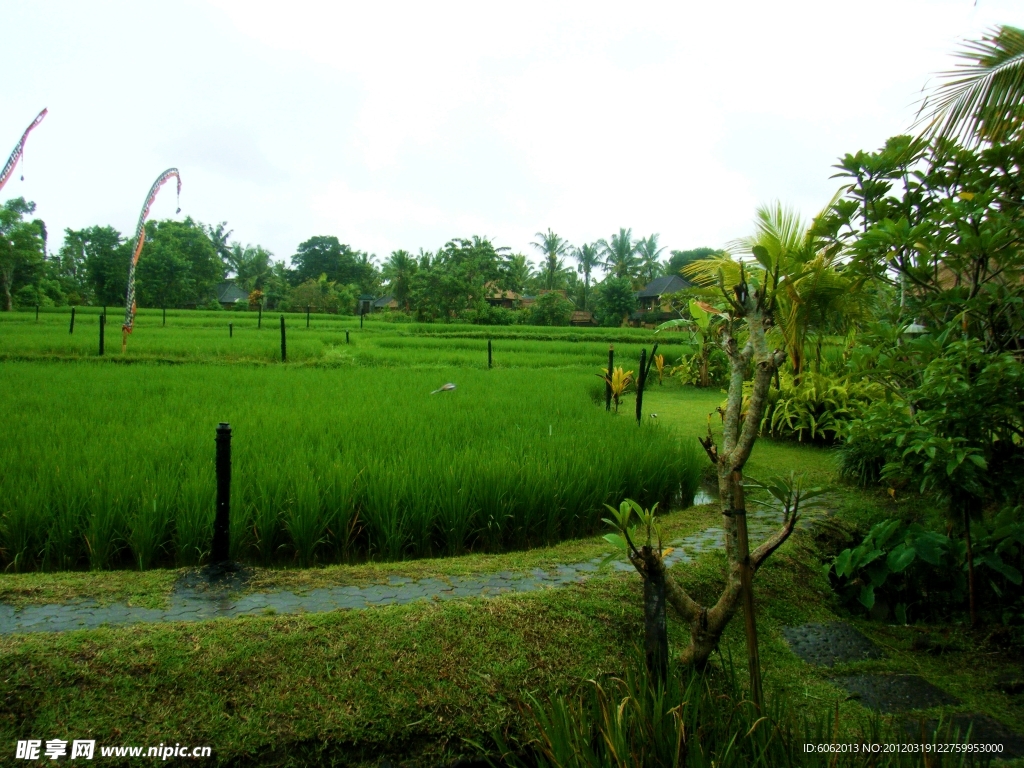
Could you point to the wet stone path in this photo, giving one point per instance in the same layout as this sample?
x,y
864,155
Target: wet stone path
x,y
193,601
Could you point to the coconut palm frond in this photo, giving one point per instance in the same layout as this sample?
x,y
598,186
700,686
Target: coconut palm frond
x,y
982,98
717,270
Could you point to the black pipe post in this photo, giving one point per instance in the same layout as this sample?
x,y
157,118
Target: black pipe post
x,y
346,337
284,348
71,329
221,523
608,383
361,317
307,315
103,322
259,323
231,330
488,353
165,317
641,379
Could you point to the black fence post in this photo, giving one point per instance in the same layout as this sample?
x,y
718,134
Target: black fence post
x,y
222,523
346,337
608,383
165,317
360,317
641,379
103,322
231,330
307,316
71,329
488,353
284,348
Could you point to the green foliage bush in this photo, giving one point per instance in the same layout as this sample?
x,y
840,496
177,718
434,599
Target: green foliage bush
x,y
911,573
819,408
551,309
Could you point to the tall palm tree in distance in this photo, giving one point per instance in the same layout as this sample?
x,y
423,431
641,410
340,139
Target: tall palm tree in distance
x,y
554,248
398,271
983,98
650,254
588,257
620,254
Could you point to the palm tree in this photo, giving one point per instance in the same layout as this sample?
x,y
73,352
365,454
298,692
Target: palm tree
x,y
554,248
589,258
650,257
983,99
219,237
620,254
515,273
812,293
398,271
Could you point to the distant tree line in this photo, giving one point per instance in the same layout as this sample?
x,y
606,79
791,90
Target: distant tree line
x,y
184,262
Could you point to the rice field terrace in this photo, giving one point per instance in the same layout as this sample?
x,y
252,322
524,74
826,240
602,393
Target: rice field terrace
x,y
206,336
340,455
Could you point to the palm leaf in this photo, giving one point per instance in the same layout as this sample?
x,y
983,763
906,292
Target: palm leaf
x,y
984,97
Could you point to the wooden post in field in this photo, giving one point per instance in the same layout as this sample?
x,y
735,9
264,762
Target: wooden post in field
x,y
103,322
488,353
284,349
307,315
221,522
640,379
360,317
231,330
71,329
608,384
165,318
346,337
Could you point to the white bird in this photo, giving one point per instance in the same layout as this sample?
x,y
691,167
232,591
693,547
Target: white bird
x,y
444,388
654,415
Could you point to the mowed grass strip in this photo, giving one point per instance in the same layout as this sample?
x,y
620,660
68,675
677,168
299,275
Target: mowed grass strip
x,y
112,466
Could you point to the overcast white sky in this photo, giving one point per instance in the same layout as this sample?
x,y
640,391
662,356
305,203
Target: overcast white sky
x,y
402,125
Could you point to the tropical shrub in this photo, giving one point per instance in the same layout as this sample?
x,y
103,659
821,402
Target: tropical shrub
x,y
910,572
551,309
818,408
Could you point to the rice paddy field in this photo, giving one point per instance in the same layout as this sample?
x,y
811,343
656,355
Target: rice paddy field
x,y
339,455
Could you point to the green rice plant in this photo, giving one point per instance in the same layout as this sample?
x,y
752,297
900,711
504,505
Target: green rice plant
x,y
327,465
64,548
304,520
193,521
104,534
383,496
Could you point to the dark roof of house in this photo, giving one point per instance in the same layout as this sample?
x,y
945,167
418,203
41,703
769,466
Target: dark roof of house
x,y
383,301
229,293
662,285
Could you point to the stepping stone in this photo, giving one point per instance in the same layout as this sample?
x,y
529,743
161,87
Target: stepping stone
x,y
984,730
895,693
829,644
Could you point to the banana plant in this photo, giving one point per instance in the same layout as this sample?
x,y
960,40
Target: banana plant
x,y
619,381
705,324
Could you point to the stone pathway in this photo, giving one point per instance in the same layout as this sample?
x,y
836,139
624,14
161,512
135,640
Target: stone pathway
x,y
191,602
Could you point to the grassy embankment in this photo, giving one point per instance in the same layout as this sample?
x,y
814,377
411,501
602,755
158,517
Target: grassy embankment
x,y
413,681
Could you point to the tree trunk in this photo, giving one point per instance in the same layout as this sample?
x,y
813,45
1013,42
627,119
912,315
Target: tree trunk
x,y
739,434
970,563
655,620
